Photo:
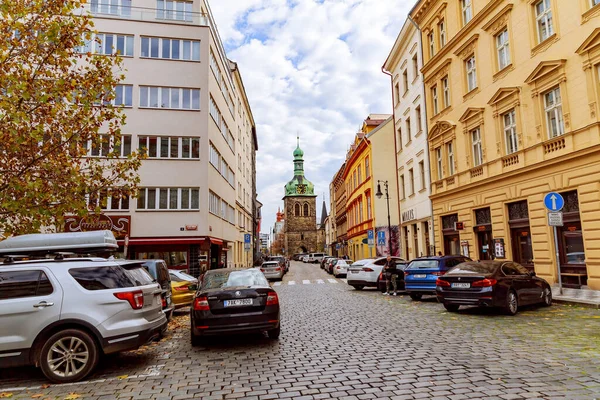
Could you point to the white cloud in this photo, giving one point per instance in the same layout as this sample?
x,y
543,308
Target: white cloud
x,y
311,68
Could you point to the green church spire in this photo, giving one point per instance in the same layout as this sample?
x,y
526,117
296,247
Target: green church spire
x,y
299,185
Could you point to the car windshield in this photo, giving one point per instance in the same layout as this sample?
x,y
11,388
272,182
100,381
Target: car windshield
x,y
186,276
423,264
473,268
223,279
270,264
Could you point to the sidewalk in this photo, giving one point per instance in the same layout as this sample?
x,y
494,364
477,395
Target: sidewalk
x,y
585,297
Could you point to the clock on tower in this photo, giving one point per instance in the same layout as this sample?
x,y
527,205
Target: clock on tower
x,y
301,189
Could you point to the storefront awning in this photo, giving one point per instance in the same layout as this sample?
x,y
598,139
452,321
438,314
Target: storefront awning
x,y
162,241
216,241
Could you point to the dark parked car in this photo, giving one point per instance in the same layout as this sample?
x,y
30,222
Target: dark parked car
x,y
323,261
234,301
330,264
400,267
503,284
421,274
298,256
160,272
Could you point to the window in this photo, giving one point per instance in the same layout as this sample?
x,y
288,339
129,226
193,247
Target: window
x,y
554,116
434,100
442,30
471,73
399,138
360,210
115,7
168,199
477,149
402,190
123,95
418,116
422,174
168,97
306,210
369,212
503,49
170,49
415,63
355,181
102,278
297,210
510,132
543,16
431,38
467,11
108,44
110,200
170,147
594,2
359,175
105,144
17,284
408,131
397,92
446,89
405,80
450,153
439,163
177,10
411,178
367,168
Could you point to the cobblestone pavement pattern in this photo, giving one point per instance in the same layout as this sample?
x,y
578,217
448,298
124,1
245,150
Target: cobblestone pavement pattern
x,y
340,343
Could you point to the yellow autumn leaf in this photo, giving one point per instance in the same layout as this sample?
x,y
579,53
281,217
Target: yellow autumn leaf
x,y
37,396
121,377
5,395
72,396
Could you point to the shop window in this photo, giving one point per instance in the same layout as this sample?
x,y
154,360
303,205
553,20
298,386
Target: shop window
x,y
483,232
571,244
450,235
174,259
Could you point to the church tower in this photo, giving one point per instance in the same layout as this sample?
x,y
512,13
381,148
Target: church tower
x,y
300,210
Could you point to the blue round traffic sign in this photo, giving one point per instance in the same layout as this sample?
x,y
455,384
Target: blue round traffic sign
x,y
554,201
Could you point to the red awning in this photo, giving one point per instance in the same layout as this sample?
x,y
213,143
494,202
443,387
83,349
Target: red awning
x,y
159,241
216,241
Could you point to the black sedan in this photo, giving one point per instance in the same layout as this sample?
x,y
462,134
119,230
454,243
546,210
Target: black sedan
x,y
234,301
502,284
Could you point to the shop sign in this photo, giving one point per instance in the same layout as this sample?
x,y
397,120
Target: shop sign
x,y
191,227
119,225
499,251
459,226
408,215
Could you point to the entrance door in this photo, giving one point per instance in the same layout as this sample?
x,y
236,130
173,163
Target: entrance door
x,y
485,245
451,245
521,247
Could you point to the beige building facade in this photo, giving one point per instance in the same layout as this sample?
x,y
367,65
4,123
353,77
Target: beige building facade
x,y
404,65
512,92
186,107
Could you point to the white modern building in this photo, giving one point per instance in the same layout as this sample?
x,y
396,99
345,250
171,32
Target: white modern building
x,y
186,107
410,123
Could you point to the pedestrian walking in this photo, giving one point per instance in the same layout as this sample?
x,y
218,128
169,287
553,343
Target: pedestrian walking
x,y
391,275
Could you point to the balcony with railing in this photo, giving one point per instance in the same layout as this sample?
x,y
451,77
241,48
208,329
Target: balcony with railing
x,y
123,10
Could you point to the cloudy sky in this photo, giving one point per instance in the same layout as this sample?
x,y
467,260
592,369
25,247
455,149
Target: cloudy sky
x,y
311,68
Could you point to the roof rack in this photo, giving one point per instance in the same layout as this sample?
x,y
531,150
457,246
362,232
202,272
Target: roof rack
x,y
57,243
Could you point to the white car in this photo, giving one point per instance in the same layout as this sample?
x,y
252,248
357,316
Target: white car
x,y
366,272
315,257
304,259
272,270
341,267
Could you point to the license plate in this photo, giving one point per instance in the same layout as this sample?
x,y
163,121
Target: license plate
x,y
240,302
461,285
354,272
420,275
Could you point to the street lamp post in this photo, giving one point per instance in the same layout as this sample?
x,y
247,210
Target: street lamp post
x,y
387,197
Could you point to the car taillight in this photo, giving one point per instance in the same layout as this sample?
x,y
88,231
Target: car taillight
x,y
367,269
164,302
272,299
406,274
181,288
201,304
277,269
484,283
440,273
338,267
135,298
262,270
381,276
443,283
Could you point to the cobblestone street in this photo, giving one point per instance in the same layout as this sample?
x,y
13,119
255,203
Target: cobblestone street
x,y
340,343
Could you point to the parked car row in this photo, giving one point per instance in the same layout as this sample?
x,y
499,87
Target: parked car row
x,y
335,266
456,281
275,267
312,258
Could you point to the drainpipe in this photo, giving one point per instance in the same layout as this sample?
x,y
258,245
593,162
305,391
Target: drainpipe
x,y
427,131
395,159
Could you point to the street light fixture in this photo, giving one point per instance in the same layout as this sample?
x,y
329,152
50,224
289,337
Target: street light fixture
x,y
379,194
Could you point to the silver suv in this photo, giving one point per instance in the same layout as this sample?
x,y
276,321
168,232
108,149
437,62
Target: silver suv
x,y
62,314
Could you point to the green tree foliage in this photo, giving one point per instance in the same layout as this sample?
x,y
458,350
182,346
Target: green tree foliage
x,y
55,102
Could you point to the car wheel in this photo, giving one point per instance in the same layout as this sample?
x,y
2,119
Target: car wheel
x,y
274,333
195,339
547,297
68,356
512,303
358,287
415,297
451,307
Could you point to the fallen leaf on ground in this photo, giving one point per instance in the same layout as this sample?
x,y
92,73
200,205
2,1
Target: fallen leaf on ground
x,y
121,377
72,396
37,396
5,395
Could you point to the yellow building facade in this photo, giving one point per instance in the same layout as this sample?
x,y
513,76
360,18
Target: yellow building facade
x,y
513,88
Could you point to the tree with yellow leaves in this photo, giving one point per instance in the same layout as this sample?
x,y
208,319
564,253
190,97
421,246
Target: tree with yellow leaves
x,y
58,107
